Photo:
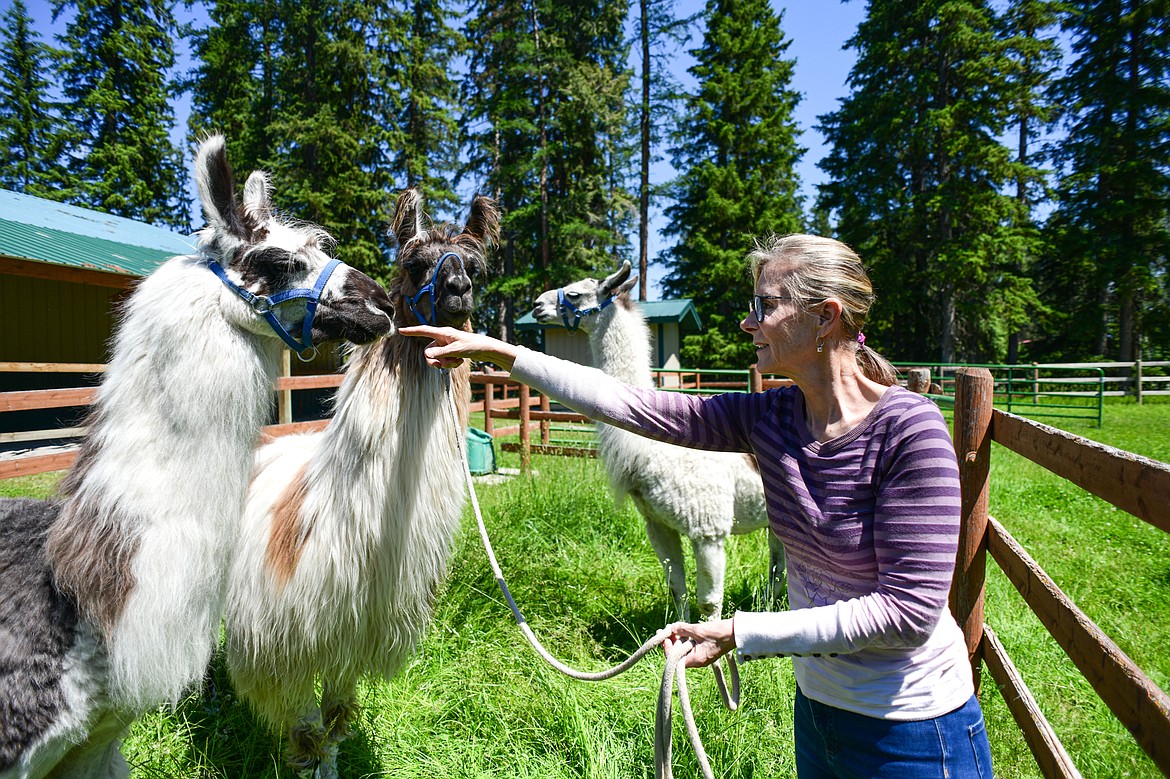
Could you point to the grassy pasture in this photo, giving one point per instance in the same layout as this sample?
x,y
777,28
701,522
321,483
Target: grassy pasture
x,y
477,702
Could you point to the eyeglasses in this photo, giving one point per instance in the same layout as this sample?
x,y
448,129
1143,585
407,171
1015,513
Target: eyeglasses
x,y
757,307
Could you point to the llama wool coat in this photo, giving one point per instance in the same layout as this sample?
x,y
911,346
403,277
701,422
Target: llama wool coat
x,y
869,521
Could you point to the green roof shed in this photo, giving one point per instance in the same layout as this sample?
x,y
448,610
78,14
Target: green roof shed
x,y
62,270
669,322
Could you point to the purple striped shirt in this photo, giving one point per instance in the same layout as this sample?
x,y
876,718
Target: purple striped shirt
x,y
869,522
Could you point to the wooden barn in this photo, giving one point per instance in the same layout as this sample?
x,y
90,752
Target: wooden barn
x,y
62,270
669,320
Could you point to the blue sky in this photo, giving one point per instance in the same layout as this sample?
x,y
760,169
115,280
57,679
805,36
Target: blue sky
x,y
817,30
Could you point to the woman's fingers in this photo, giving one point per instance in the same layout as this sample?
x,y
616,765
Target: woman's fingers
x,y
449,346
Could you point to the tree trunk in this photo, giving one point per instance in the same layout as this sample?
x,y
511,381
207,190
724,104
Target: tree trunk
x,y
541,98
644,190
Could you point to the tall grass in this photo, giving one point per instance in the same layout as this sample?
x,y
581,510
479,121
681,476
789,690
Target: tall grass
x,y
475,701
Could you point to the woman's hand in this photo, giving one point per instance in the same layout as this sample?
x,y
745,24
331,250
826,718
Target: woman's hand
x,y
449,347
711,640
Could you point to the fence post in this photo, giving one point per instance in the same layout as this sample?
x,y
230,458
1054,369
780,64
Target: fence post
x,y
1137,381
489,394
1011,377
525,419
755,380
974,393
918,380
544,423
284,402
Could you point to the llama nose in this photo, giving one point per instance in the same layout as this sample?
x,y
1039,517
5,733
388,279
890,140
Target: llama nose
x,y
459,285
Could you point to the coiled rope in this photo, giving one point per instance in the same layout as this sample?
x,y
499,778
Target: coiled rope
x,y
674,672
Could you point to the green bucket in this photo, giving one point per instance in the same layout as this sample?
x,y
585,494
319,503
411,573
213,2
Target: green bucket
x,y
481,452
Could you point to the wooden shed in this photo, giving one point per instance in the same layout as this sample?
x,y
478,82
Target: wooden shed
x,y
62,269
669,322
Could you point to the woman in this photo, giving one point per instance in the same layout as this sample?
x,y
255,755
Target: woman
x,y
863,489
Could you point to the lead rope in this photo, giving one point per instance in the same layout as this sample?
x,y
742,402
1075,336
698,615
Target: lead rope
x,y
673,673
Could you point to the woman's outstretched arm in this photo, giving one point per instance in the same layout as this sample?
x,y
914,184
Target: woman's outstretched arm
x,y
686,420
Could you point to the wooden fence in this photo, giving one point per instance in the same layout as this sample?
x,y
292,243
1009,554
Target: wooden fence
x,y
1129,482
1140,378
493,393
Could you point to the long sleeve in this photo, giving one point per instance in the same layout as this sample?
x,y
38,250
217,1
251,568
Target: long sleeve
x,y
719,422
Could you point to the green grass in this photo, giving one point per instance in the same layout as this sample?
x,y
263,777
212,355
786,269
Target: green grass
x,y
477,702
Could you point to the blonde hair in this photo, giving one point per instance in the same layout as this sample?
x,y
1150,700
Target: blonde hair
x,y
821,268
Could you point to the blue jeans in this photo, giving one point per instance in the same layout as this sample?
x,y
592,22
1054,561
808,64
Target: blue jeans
x,y
836,744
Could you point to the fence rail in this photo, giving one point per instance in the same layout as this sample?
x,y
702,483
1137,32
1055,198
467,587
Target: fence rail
x,y
1054,391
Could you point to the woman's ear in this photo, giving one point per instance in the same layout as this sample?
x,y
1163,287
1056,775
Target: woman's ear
x,y
828,316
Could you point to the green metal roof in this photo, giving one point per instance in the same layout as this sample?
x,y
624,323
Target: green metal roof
x,y
32,228
681,311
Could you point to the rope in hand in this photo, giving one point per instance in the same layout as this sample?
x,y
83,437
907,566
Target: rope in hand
x,y
673,673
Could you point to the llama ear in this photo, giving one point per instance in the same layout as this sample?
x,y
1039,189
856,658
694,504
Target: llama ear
x,y
483,223
612,282
408,218
257,204
626,286
217,194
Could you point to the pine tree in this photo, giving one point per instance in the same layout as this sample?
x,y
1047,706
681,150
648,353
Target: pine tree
x,y
918,178
331,132
548,130
1029,33
590,126
737,152
429,155
659,32
117,101
233,85
29,137
499,135
1113,197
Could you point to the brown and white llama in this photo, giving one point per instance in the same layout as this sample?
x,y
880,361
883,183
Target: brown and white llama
x,y
347,532
705,496
113,592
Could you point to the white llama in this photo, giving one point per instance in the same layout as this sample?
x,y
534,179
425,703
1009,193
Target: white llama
x,y
347,532
113,594
705,496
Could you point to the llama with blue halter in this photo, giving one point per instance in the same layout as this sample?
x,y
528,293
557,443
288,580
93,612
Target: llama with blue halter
x,y
347,532
113,592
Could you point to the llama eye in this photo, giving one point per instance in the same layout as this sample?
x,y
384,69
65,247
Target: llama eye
x,y
273,259
416,270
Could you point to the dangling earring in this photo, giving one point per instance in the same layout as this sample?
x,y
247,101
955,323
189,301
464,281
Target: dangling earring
x,y
820,344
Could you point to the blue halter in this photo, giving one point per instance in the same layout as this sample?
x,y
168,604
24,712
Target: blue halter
x,y
429,288
564,303
263,306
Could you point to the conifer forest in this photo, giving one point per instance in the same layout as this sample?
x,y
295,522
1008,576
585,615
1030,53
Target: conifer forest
x,y
1002,167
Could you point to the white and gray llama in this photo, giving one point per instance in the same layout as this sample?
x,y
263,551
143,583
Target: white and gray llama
x,y
705,496
113,593
347,532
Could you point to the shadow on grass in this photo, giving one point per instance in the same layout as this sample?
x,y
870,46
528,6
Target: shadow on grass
x,y
232,742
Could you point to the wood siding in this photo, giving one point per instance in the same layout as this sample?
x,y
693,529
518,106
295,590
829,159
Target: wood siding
x,y
43,320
